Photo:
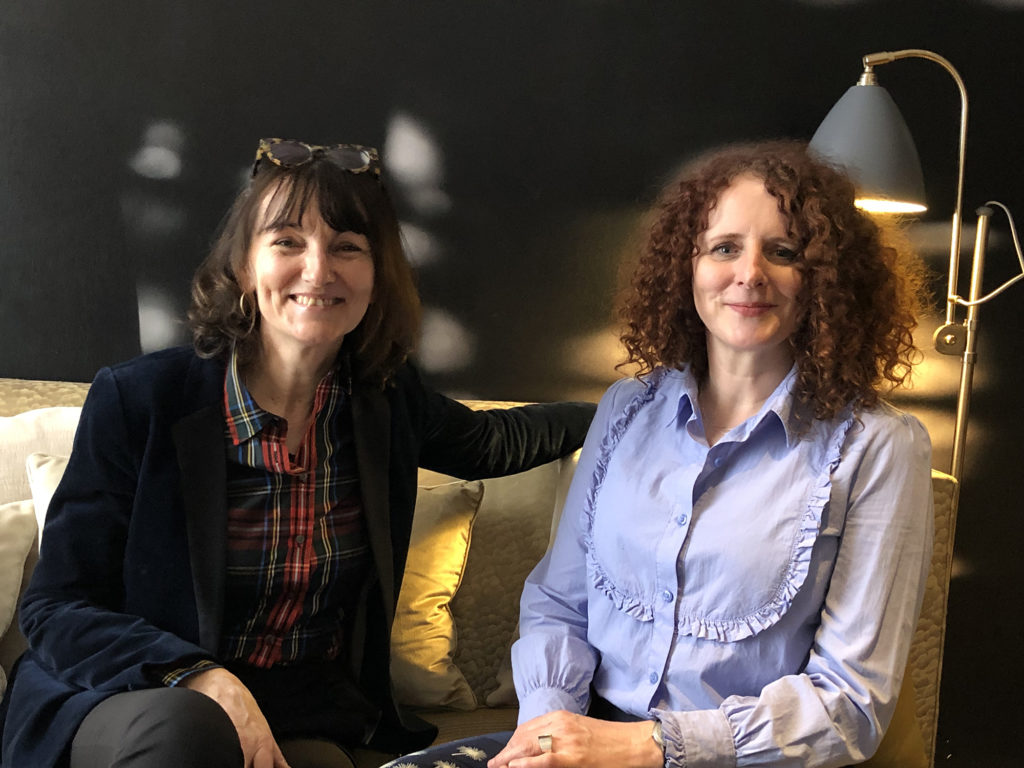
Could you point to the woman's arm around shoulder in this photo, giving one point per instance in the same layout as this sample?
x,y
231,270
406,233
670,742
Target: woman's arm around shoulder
x,y
472,444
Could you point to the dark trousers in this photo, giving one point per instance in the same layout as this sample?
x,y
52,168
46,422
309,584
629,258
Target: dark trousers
x,y
161,728
175,727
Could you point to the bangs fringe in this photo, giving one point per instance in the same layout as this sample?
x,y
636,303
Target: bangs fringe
x,y
336,196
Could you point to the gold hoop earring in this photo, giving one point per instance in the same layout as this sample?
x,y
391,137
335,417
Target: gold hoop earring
x,y
242,309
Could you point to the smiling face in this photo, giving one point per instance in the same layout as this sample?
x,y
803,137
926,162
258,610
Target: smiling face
x,y
312,284
746,278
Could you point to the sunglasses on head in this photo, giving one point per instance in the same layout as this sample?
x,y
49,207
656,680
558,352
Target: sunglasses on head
x,y
288,153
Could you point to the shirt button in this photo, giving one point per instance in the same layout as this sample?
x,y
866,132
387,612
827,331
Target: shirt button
x,y
300,539
653,677
667,596
682,519
718,461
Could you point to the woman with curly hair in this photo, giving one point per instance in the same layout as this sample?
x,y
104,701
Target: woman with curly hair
x,y
742,556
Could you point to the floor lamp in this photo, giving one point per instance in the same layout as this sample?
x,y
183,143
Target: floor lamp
x,y
865,133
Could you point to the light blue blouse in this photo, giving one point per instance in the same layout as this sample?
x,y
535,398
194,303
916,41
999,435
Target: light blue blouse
x,y
757,597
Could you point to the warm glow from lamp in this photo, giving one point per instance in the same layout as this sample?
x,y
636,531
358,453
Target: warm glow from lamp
x,y
881,205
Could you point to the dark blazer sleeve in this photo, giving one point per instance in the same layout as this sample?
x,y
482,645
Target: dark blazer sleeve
x,y
472,444
77,614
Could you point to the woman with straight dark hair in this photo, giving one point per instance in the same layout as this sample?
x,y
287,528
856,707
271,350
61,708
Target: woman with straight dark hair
x,y
742,556
222,558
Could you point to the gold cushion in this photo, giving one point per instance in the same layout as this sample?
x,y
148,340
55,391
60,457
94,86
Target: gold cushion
x,y
423,639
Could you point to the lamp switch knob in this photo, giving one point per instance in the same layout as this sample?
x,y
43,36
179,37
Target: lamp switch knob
x,y
950,339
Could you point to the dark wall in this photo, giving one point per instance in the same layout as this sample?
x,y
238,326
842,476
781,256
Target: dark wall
x,y
552,126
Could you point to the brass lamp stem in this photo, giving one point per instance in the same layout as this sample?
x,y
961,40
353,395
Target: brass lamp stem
x,y
872,60
963,401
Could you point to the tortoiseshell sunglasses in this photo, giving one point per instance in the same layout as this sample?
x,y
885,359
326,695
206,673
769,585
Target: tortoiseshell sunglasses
x,y
288,153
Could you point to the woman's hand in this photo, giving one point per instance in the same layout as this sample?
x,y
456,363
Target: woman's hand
x,y
258,744
580,742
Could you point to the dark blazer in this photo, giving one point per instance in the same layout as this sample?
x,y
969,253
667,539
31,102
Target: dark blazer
x,y
131,574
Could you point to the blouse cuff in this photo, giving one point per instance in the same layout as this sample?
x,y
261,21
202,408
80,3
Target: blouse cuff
x,y
697,739
540,701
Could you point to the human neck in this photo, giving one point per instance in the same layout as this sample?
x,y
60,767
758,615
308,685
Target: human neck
x,y
735,390
284,382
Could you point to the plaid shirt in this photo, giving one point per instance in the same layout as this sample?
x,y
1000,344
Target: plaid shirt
x,y
298,552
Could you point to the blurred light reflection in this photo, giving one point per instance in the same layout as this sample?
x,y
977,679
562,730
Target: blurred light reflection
x,y
159,326
159,156
415,164
421,246
445,344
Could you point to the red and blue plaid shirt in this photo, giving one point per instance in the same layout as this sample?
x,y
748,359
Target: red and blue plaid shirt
x,y
297,549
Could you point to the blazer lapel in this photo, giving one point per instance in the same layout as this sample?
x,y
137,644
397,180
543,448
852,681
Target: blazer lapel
x,y
199,441
371,419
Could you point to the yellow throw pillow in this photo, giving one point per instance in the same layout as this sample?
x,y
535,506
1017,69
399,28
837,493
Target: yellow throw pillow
x,y
423,640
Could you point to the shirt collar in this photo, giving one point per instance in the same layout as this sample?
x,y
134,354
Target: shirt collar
x,y
778,408
245,418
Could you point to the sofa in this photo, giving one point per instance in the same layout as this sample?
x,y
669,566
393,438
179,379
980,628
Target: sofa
x,y
473,544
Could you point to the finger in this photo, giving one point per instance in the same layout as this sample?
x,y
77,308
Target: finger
x,y
510,752
279,761
543,760
519,746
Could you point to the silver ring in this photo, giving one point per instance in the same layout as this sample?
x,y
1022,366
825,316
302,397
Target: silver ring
x,y
546,742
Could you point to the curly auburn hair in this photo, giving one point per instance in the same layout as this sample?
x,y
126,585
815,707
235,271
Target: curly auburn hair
x,y
356,202
860,294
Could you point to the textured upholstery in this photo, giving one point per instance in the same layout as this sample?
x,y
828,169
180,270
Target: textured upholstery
x,y
925,665
18,395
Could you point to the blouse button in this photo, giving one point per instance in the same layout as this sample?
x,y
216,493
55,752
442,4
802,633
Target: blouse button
x,y
718,461
653,677
667,596
682,519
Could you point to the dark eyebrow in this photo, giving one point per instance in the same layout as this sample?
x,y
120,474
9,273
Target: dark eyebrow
x,y
277,227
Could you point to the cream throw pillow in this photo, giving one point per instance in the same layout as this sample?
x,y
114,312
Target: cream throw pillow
x,y
47,430
44,473
17,535
423,639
